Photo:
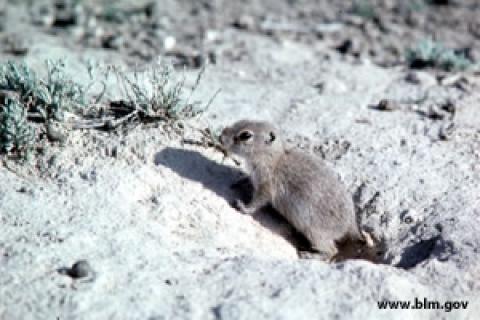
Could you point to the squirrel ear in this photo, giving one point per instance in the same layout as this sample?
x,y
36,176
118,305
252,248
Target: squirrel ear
x,y
271,138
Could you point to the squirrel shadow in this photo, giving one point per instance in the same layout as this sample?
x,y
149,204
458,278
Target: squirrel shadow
x,y
223,180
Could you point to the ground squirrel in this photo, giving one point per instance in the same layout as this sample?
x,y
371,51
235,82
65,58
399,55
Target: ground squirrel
x,y
299,186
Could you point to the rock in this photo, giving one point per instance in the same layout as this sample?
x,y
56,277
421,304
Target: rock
x,y
320,86
449,106
435,112
244,22
446,131
412,77
386,105
113,41
52,162
65,19
55,132
346,46
187,57
42,14
15,44
328,28
80,269
169,43
213,36
441,2
420,77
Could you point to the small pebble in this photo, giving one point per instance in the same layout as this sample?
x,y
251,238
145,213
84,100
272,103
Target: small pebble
x,y
169,43
446,131
421,78
449,107
434,112
80,269
55,132
412,77
386,105
244,22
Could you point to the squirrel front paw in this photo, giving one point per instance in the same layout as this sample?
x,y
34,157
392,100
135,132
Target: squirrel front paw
x,y
240,205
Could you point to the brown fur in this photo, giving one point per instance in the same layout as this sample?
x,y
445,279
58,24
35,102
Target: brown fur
x,y
301,188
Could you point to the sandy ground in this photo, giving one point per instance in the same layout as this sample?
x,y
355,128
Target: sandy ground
x,y
152,215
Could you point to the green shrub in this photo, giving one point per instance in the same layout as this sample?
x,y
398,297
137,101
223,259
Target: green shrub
x,y
153,95
48,97
33,97
429,53
165,97
16,134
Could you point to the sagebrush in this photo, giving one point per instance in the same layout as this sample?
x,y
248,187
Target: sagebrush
x,y
47,97
157,94
15,131
429,53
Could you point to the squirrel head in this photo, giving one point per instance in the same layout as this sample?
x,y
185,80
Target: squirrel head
x,y
252,139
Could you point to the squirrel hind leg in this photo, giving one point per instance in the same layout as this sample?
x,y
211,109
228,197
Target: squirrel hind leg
x,y
325,251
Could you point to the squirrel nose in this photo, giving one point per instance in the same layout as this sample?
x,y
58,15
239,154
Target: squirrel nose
x,y
222,136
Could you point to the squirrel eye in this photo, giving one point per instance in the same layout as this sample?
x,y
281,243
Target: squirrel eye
x,y
244,136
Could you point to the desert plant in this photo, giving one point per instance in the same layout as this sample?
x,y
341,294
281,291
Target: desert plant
x,y
31,97
60,92
49,97
16,134
158,93
429,53
18,78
